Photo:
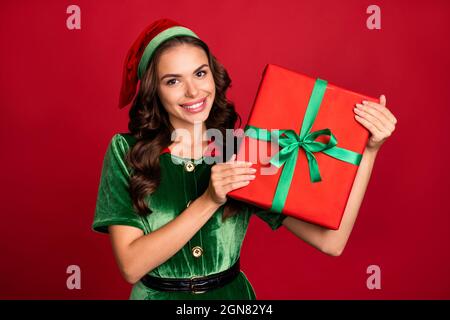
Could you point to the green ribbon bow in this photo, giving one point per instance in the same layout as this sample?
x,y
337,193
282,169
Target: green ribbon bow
x,y
290,142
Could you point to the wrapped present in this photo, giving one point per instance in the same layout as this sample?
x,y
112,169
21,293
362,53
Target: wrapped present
x,y
306,145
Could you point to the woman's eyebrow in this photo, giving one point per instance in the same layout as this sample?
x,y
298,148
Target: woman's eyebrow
x,y
179,75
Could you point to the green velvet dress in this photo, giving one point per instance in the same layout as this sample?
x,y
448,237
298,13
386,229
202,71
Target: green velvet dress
x,y
219,242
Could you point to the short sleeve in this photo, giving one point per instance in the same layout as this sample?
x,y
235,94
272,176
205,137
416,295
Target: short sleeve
x,y
114,204
273,219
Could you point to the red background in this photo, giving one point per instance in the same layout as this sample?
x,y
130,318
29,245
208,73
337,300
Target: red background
x,y
59,94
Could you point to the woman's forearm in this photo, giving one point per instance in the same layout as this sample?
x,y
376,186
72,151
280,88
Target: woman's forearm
x,y
332,242
335,240
149,251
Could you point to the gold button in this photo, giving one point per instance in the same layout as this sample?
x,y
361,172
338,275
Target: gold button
x,y
189,203
197,251
189,166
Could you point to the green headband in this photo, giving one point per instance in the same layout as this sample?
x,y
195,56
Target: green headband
x,y
157,40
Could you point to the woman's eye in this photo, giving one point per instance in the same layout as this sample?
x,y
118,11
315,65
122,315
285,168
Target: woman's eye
x,y
171,81
201,71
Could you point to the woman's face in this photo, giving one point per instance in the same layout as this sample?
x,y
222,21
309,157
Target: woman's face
x,y
184,82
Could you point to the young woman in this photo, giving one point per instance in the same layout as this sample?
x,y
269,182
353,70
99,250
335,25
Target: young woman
x,y
174,232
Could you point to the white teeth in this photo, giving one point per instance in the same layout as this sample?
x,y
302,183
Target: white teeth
x,y
194,105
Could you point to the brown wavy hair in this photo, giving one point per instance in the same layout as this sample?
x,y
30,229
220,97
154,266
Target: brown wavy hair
x,y
149,124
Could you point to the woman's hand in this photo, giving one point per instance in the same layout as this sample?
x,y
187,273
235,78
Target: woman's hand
x,y
228,176
376,118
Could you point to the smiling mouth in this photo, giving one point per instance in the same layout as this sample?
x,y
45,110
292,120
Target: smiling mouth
x,y
195,105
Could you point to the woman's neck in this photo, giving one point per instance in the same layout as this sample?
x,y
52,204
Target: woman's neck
x,y
189,142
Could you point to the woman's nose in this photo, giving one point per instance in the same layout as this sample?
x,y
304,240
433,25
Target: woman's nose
x,y
191,89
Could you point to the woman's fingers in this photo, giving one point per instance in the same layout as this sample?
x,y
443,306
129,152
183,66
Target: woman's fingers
x,y
383,100
373,116
221,168
382,108
235,174
231,175
237,178
376,134
237,170
235,185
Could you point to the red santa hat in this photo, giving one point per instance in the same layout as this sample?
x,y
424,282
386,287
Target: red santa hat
x,y
141,51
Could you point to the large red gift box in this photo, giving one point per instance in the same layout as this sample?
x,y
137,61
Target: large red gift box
x,y
314,153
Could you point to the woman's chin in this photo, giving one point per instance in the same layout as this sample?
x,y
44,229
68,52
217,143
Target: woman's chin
x,y
196,117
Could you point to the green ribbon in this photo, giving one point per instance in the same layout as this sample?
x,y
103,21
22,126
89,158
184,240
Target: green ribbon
x,y
290,143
